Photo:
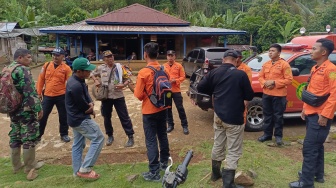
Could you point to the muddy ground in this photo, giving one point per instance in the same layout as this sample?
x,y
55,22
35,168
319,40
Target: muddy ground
x,y
53,150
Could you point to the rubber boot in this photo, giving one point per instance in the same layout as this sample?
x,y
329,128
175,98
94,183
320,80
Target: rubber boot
x,y
31,165
228,178
16,159
216,173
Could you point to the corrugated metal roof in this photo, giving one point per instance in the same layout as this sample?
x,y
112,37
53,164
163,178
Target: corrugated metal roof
x,y
27,31
114,29
7,26
137,14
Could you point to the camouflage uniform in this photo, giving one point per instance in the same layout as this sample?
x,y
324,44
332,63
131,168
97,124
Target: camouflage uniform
x,y
24,123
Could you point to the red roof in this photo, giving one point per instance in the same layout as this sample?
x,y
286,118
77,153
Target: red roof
x,y
137,14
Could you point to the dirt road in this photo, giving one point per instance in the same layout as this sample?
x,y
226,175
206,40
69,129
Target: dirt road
x,y
53,150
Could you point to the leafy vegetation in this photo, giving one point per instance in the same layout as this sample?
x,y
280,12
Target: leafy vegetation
x,y
274,169
266,21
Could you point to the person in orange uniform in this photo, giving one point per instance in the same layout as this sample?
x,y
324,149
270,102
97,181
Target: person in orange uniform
x,y
274,77
154,119
318,118
51,89
177,76
242,66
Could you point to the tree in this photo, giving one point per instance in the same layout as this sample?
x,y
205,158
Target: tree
x,y
229,19
270,14
288,31
325,15
25,16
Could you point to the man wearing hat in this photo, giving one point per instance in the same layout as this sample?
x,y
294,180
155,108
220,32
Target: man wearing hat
x,y
51,89
177,76
79,107
229,87
119,78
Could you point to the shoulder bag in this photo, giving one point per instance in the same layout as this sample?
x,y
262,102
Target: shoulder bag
x,y
102,90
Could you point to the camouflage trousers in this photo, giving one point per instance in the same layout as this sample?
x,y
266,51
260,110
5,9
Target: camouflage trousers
x,y
25,129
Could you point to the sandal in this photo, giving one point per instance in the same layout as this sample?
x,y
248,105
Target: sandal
x,y
92,175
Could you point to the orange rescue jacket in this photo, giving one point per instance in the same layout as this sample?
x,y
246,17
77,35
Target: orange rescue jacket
x,y
176,72
144,84
280,72
52,80
247,70
322,82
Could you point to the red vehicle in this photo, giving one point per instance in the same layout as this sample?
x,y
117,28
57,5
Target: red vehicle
x,y
297,54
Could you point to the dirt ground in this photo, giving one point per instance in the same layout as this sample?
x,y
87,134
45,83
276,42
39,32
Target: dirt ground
x,y
53,150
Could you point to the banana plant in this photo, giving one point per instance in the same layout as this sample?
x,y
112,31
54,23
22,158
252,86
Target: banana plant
x,y
288,31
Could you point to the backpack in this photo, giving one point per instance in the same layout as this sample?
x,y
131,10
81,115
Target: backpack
x,y
161,95
10,98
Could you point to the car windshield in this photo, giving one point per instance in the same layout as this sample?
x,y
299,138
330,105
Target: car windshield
x,y
257,62
215,53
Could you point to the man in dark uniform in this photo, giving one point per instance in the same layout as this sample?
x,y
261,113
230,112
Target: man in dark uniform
x,y
318,117
176,76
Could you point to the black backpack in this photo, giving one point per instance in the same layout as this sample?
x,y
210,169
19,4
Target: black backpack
x,y
161,95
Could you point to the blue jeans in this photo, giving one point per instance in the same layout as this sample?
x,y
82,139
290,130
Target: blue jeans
x,y
88,129
155,129
313,149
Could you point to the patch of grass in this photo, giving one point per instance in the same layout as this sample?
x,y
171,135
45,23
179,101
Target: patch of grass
x,y
333,135
274,169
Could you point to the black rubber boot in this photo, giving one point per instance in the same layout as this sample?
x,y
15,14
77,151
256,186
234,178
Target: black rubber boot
x,y
228,178
216,173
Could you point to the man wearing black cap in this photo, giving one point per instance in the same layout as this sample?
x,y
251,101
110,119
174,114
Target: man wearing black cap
x,y
229,87
177,76
51,87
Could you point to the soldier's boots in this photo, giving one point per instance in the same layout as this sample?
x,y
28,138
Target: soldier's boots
x,y
16,159
30,163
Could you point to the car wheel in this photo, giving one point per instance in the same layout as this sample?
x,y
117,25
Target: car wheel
x,y
254,117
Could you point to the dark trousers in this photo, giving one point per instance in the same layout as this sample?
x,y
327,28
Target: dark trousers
x,y
121,108
313,149
155,129
47,105
273,110
178,100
